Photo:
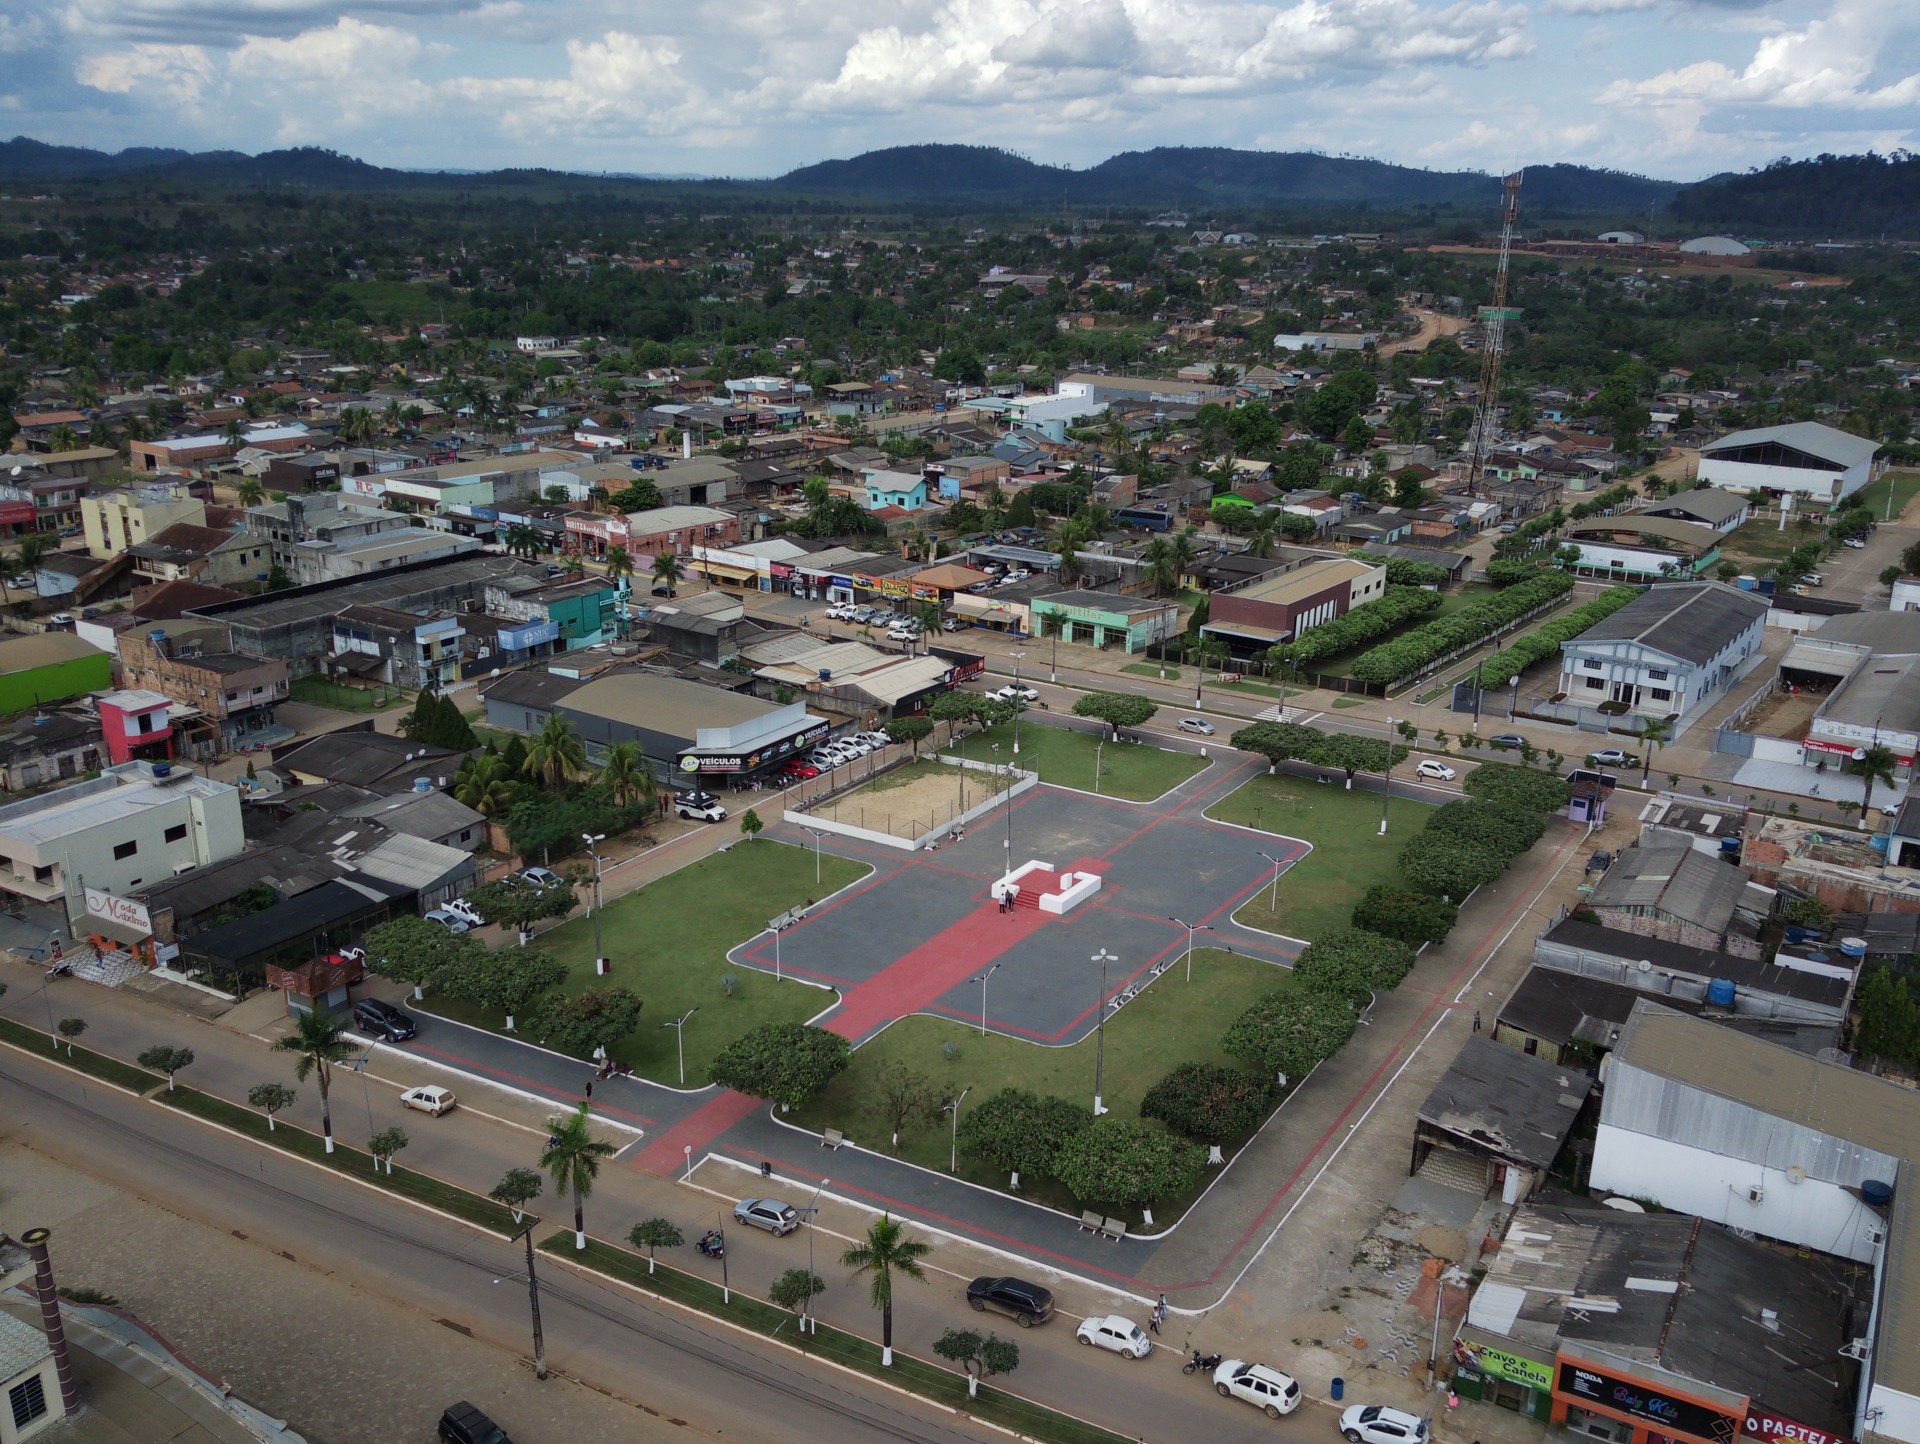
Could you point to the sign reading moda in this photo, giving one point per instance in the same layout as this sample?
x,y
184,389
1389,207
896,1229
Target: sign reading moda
x,y
1625,1396
122,910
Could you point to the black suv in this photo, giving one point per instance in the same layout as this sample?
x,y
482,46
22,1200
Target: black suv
x,y
1027,1304
464,1424
383,1020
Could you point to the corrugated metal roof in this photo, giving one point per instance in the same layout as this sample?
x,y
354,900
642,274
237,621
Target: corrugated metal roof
x,y
412,862
1692,621
1514,1105
1841,448
1669,876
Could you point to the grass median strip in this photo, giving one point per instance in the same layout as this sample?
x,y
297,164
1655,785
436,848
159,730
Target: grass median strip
x,y
929,1381
420,1187
84,1060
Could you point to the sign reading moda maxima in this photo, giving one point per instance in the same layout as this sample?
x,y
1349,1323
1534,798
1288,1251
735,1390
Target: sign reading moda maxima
x,y
1625,1396
122,910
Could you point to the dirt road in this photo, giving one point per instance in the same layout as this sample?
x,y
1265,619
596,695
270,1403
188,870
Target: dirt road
x,y
1432,327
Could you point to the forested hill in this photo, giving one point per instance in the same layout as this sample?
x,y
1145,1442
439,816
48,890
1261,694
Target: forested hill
x,y
1830,195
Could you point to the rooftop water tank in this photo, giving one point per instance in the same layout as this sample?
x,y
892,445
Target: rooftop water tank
x,y
1730,849
423,784
1720,993
1853,948
1876,1193
1878,842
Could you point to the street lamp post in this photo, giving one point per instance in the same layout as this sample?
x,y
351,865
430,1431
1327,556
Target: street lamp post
x,y
1273,902
679,1026
1386,789
816,836
1017,655
1008,810
812,1208
1191,928
953,1140
1513,697
1101,742
1053,667
1103,958
981,979
600,964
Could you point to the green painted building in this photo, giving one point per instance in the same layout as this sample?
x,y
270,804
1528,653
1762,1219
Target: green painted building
x,y
39,670
1105,619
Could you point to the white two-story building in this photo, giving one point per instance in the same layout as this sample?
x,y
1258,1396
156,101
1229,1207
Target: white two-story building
x,y
1670,650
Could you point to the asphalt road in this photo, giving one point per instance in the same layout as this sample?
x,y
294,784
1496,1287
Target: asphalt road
x,y
720,1382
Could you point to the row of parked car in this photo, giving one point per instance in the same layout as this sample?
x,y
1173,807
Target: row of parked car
x,y
835,753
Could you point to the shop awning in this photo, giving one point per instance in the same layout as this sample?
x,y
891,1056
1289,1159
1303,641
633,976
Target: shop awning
x,y
119,932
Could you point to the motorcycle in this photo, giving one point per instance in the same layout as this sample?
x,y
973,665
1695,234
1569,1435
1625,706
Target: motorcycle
x,y
711,1244
1201,1363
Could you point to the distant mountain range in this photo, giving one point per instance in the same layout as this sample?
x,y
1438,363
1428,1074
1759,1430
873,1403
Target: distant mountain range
x,y
1850,195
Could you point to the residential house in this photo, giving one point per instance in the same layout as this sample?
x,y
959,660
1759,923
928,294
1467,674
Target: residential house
x,y
1285,604
225,699
50,745
118,520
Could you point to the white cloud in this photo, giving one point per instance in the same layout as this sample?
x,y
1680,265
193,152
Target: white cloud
x,y
1599,7
181,73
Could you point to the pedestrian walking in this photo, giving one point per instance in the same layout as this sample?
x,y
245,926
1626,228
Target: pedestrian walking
x,y
589,1088
1476,1020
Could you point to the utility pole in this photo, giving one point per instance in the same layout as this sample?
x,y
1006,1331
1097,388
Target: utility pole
x,y
1494,319
1103,958
811,1210
953,1140
1386,789
1273,902
679,1026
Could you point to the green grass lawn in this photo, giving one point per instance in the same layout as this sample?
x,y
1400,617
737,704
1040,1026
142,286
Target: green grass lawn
x,y
1904,485
669,941
319,692
1171,670
476,719
1349,855
1171,1022
1138,773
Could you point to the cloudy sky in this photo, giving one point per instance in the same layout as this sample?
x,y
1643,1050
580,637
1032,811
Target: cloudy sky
x,y
1675,88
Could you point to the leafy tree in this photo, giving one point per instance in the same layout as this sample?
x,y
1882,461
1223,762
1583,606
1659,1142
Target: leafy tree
x,y
1277,741
167,1059
588,1023
318,1041
1522,787
1353,755
1019,1132
1433,862
914,730
550,825
785,1063
519,906
1291,1030
1412,917
506,981
419,723
795,1289
450,729
486,784
556,754
1877,764
71,1028
1124,1164
513,757
1353,963
641,495
1889,1026
1116,709
384,1144
750,825
652,1233
1888,575
982,1358
1209,1103
270,1098
410,949
1365,623
1499,827
886,1250
619,564
905,1095
572,1161
627,776
517,1188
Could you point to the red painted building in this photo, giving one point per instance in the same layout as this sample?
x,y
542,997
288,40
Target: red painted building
x,y
137,725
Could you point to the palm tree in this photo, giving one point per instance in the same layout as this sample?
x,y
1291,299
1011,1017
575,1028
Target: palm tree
x,y
523,540
34,546
627,776
574,565
1158,556
887,1249
1873,764
249,491
572,1161
318,1038
1185,552
63,438
619,564
1655,732
667,573
233,433
1260,539
556,753
484,785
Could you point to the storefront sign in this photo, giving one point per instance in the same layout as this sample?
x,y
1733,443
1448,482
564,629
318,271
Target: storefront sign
x,y
1502,1365
122,910
1625,1396
1763,1425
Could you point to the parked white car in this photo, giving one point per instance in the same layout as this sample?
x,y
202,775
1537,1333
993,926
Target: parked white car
x,y
430,1099
1438,771
699,807
461,908
1377,1424
1121,1335
1260,1386
1016,692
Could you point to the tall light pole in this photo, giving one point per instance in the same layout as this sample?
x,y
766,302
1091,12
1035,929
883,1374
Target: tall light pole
x,y
1103,957
776,926
1191,928
600,965
812,1208
1273,902
816,836
1386,790
1101,742
1053,667
1008,844
1513,697
953,1139
679,1026
981,979
1016,701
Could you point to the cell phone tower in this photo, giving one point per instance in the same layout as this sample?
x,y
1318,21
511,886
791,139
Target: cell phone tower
x,y
1493,320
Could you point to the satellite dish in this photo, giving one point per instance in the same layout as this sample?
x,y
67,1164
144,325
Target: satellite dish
x,y
1796,1174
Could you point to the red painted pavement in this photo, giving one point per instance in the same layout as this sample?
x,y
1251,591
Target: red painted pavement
x,y
667,1153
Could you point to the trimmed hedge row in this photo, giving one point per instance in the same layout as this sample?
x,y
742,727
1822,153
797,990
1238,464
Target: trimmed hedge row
x,y
1404,656
1404,573
1546,640
1363,624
